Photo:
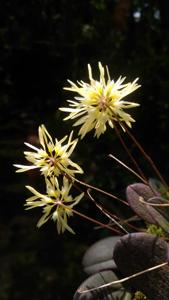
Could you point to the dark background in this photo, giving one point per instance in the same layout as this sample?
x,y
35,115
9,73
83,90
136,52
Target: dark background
x,y
42,44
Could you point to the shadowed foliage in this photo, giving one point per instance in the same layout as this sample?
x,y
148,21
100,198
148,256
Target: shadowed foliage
x,y
44,42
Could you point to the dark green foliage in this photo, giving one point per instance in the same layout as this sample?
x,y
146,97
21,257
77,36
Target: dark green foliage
x,y
44,42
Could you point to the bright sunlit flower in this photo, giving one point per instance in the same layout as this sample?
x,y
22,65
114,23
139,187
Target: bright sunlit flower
x,y
52,158
57,204
100,102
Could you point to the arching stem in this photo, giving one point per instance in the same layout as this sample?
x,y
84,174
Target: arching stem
x,y
148,158
106,213
128,168
128,152
95,221
125,279
100,191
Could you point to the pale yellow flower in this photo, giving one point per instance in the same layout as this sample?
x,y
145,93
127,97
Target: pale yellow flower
x,y
52,158
57,204
100,102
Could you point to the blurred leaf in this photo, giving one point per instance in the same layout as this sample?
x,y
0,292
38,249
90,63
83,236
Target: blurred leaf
x,y
159,187
99,256
115,292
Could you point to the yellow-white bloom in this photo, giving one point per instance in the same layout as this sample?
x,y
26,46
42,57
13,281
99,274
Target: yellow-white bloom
x,y
100,102
56,204
52,158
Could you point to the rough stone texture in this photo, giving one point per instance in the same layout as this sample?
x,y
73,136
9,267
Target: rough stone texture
x,y
138,251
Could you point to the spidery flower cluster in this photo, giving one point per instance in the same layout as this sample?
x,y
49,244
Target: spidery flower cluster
x,y
52,159
100,103
57,203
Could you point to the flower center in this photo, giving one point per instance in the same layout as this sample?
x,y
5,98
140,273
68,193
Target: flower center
x,y
102,103
52,161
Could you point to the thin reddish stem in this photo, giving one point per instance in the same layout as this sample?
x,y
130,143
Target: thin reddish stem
x,y
148,158
101,191
106,213
95,221
129,153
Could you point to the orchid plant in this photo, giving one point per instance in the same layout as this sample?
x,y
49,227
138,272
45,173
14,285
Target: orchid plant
x,y
96,105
